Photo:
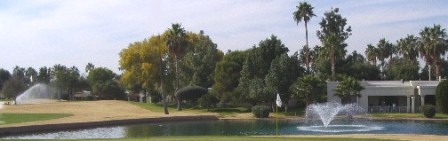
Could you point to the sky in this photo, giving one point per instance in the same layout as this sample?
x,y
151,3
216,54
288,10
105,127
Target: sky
x,y
36,33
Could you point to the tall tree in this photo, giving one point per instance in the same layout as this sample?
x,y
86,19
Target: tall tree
x,y
307,57
372,54
281,75
31,75
333,33
44,75
199,63
176,43
89,67
386,50
433,46
227,75
304,13
408,47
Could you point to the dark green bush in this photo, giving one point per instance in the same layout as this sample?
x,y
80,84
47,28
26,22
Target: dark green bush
x,y
261,111
191,93
442,96
208,101
429,111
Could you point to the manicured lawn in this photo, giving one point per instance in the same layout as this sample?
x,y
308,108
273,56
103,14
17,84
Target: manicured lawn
x,y
10,118
406,115
233,138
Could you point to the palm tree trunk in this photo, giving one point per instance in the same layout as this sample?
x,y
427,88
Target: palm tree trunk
x,y
333,67
306,33
429,72
179,108
437,71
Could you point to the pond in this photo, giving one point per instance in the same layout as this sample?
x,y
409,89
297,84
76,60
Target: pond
x,y
239,127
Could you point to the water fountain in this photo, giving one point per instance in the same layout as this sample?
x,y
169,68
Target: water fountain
x,y
325,113
34,94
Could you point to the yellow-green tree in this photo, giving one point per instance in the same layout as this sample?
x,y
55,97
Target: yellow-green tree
x,y
142,65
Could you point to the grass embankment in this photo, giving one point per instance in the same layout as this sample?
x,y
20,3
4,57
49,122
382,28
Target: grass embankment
x,y
10,118
228,138
222,112
406,115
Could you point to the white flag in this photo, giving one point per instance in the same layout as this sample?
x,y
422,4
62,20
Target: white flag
x,y
278,101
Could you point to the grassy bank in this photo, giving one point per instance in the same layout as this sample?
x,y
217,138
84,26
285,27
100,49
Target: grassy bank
x,y
406,115
11,118
228,138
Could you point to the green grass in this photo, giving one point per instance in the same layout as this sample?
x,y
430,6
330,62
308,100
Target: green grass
x,y
229,138
10,118
406,115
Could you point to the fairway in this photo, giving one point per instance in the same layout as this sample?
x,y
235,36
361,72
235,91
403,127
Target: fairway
x,y
10,118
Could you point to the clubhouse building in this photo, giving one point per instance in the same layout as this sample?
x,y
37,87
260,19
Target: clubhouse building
x,y
391,96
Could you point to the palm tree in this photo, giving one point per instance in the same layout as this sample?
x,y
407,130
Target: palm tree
x,y
306,57
348,88
333,34
408,47
372,54
176,44
385,50
304,13
433,45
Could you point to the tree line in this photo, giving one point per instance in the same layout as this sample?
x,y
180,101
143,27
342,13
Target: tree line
x,y
179,58
63,81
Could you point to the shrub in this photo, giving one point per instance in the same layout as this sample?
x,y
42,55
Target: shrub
x,y
442,96
208,101
191,93
261,111
429,111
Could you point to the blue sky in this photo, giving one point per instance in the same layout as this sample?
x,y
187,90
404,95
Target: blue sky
x,y
35,33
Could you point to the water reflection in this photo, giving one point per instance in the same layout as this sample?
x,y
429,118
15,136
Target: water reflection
x,y
232,127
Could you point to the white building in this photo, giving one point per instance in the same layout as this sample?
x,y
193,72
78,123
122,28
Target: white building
x,y
391,96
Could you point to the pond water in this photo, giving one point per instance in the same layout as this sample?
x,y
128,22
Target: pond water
x,y
240,127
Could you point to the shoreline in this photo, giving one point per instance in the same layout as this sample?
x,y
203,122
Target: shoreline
x,y
15,130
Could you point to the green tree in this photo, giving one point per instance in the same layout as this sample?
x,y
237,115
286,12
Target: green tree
x,y
227,75
66,79
347,89
44,75
408,47
433,46
402,68
19,73
13,87
103,84
304,13
372,54
386,50
332,34
307,57
281,75
176,42
4,76
30,75
200,62
442,96
89,67
355,65
256,67
309,89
